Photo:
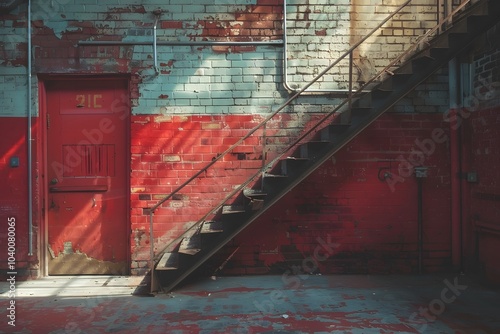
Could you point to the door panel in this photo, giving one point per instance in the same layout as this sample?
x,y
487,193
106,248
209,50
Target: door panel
x,y
87,174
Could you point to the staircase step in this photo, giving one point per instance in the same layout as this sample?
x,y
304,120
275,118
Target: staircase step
x,y
405,68
288,165
455,39
229,209
359,113
378,94
190,245
330,132
364,101
438,52
211,227
307,150
474,22
459,26
481,10
251,193
274,176
421,62
256,204
386,85
168,261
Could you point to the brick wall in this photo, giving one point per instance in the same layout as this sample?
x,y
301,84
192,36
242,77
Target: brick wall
x,y
483,157
484,219
203,97
197,79
13,197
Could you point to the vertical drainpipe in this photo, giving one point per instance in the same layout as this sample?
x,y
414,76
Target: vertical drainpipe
x,y
157,14
29,142
455,143
466,74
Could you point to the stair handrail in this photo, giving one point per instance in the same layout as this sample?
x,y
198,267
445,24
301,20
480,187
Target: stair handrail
x,y
301,137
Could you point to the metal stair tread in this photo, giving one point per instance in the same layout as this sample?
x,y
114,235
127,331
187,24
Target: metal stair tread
x,y
168,261
228,209
270,175
296,158
211,227
250,193
186,246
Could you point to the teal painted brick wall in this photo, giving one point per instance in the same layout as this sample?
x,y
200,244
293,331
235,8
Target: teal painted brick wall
x,y
211,80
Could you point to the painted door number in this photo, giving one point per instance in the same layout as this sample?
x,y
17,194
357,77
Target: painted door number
x,y
89,101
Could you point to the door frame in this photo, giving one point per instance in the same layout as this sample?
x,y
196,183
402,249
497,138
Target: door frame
x,y
43,233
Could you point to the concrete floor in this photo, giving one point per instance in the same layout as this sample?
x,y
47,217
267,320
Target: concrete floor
x,y
256,304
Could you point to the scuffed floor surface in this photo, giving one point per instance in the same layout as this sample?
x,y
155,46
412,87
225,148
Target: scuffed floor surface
x,y
256,304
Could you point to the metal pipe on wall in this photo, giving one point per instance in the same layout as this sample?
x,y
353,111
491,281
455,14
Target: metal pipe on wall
x,y
420,174
180,43
157,14
420,227
155,52
455,143
29,141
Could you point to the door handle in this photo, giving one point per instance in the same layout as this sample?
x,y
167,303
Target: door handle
x,y
93,202
54,181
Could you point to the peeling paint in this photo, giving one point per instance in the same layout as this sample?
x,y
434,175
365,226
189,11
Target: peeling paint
x,y
80,264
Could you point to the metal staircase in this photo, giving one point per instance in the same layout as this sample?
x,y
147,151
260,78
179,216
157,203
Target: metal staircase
x,y
251,199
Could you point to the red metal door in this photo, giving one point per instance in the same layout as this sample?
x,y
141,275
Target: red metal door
x,y
87,174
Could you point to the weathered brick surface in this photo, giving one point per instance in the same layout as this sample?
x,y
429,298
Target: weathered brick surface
x,y
479,126
204,98
206,80
167,151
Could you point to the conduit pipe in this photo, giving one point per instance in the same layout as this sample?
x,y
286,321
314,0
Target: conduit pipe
x,y
420,227
420,173
182,43
29,141
157,14
455,124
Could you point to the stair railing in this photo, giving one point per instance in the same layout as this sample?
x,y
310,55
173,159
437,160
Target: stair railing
x,y
311,131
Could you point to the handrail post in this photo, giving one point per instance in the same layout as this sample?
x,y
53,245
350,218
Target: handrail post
x,y
439,15
264,154
264,139
151,250
351,62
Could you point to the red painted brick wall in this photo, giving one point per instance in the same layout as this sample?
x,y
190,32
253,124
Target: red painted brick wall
x,y
369,223
484,219
14,195
168,150
343,200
